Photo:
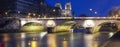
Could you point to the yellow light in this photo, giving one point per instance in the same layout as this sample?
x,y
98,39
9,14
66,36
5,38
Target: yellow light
x,y
54,10
65,43
33,43
34,14
116,16
33,28
52,40
29,43
29,13
6,37
44,16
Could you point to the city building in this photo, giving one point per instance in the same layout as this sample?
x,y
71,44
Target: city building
x,y
27,8
67,12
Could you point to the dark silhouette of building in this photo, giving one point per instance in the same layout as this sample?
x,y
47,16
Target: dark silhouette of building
x,y
22,8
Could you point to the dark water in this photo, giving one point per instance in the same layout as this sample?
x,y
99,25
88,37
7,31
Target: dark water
x,y
52,40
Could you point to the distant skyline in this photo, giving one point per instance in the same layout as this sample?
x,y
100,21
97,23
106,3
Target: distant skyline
x,y
100,7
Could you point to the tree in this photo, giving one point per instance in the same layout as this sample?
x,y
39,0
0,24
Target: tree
x,y
114,12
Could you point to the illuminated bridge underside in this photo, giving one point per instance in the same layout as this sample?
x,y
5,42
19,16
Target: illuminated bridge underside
x,y
81,20
85,21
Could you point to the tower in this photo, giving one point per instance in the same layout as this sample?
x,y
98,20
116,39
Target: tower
x,y
58,4
68,9
68,6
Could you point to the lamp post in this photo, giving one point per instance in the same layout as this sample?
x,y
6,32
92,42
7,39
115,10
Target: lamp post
x,y
50,25
90,11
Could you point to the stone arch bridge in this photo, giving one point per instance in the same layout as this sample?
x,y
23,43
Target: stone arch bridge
x,y
82,20
85,21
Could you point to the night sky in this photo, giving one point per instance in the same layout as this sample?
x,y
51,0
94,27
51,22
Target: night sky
x,y
82,6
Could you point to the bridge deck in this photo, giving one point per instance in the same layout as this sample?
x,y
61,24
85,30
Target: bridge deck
x,y
74,18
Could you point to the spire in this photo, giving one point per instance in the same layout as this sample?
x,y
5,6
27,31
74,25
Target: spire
x,y
68,5
58,4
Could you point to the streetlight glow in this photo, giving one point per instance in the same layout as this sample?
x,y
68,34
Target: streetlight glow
x,y
29,13
90,9
6,13
50,23
18,12
34,14
96,12
54,10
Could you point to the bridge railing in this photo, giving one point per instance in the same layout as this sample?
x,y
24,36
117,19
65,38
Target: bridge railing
x,y
77,18
74,18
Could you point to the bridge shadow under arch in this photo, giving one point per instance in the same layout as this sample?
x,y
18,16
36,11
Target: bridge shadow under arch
x,y
107,27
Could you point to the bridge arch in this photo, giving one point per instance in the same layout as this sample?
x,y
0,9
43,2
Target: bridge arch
x,y
65,27
107,27
33,26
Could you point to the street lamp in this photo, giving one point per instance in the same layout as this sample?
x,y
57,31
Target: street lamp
x,y
90,11
50,25
96,12
29,13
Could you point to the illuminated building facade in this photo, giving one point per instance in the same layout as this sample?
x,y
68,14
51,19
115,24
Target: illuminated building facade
x,y
67,12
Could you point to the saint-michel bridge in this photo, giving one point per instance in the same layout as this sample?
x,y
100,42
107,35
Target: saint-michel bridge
x,y
85,21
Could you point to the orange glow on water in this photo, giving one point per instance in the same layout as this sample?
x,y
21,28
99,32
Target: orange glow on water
x,y
33,43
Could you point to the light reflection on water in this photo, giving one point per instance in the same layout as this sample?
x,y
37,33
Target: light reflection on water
x,y
53,40
64,44
89,40
5,39
34,43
